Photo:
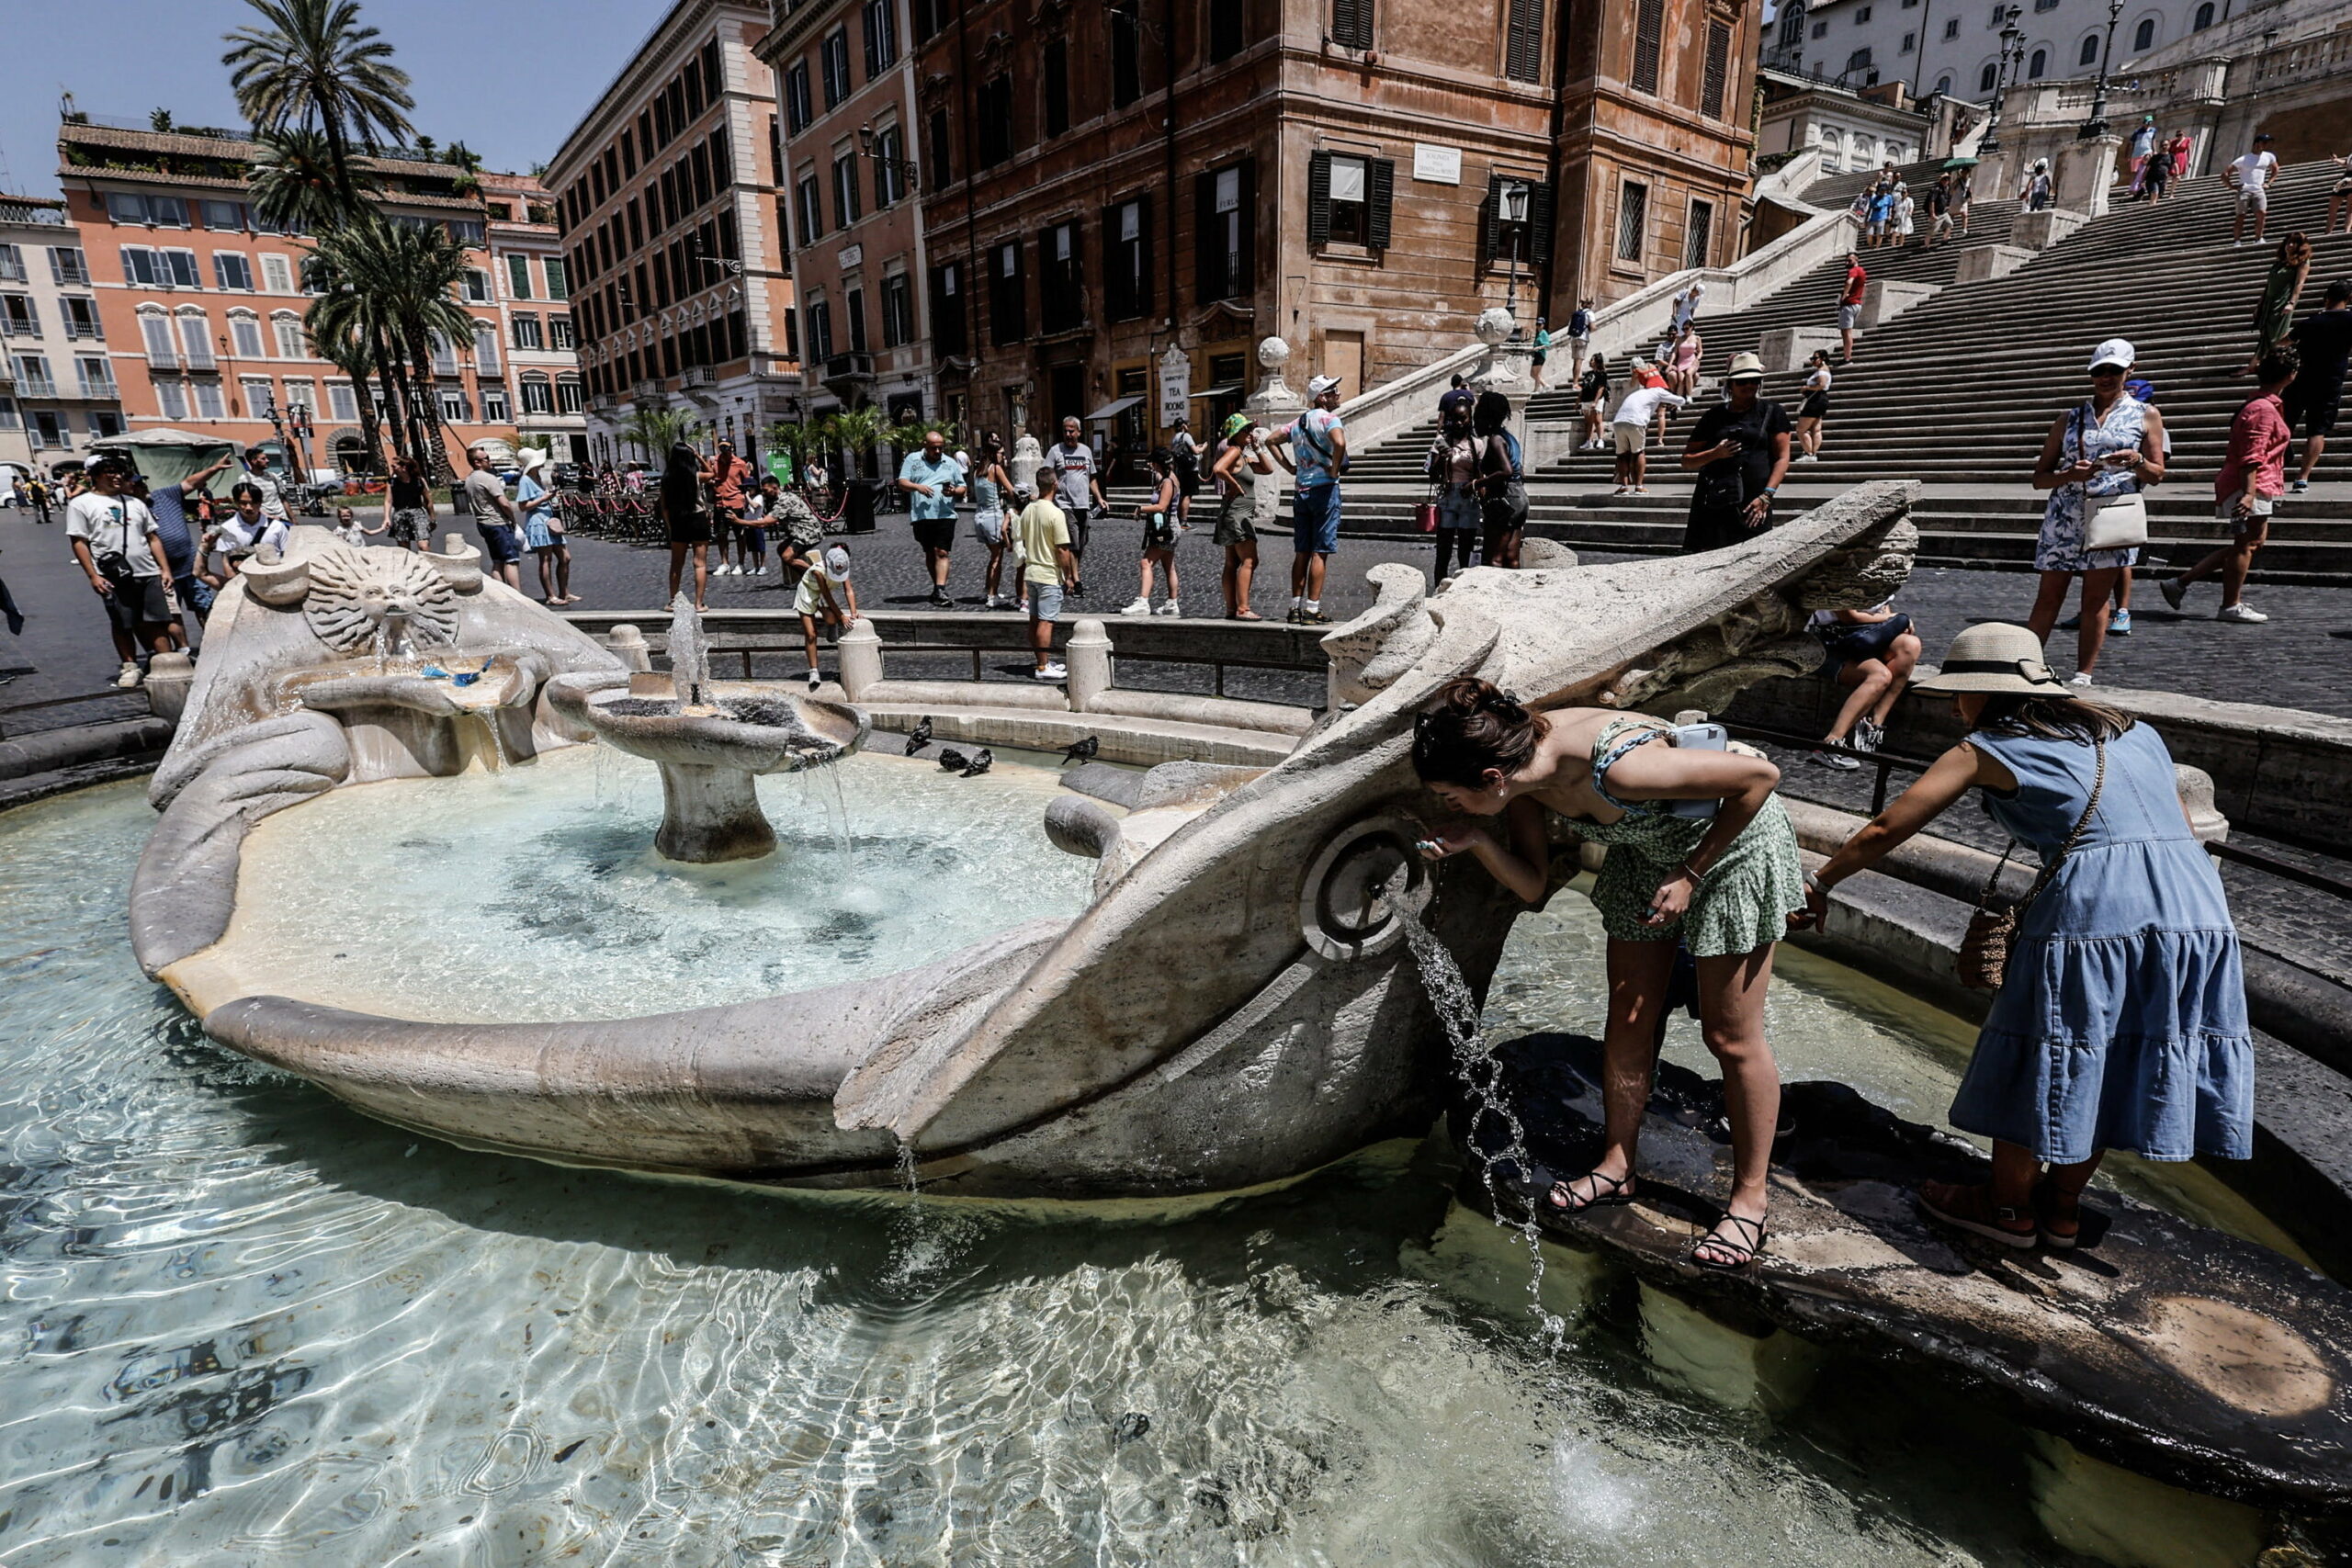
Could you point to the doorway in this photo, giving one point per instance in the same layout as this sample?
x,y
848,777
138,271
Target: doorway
x,y
1343,358
1069,394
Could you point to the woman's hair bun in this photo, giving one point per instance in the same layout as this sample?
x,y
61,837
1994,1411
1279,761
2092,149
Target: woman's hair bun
x,y
1474,726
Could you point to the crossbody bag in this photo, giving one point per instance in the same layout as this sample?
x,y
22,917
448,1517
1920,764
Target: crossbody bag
x,y
2117,522
1984,958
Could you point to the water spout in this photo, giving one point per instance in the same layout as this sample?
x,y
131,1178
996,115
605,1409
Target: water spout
x,y
689,654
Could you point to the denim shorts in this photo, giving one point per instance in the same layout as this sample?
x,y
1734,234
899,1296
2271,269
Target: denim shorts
x,y
1044,601
1315,520
498,542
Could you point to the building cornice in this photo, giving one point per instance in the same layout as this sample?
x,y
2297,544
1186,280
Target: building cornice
x,y
652,59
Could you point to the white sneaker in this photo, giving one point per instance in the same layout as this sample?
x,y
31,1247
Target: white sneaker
x,y
2079,679
1140,607
1170,608
129,675
815,680
1053,672
2241,615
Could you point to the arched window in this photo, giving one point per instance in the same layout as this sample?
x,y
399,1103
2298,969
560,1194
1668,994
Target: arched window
x,y
288,326
2204,17
1988,78
1943,84
244,334
2143,37
2038,66
2090,51
196,338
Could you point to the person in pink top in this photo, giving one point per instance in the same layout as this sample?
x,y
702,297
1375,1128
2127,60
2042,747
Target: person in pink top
x,y
2253,476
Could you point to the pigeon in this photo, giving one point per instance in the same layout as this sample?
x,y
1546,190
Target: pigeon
x,y
951,759
979,764
1082,750
920,736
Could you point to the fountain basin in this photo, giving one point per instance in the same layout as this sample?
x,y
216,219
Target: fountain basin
x,y
710,749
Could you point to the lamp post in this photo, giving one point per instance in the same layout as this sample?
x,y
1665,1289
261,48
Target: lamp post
x,y
1511,203
2012,50
902,170
2096,126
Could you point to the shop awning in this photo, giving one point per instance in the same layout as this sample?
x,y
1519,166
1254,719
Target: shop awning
x,y
1230,389
1114,408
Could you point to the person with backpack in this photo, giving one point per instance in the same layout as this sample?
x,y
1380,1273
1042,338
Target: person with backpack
x,y
1314,446
1187,453
1502,482
1579,338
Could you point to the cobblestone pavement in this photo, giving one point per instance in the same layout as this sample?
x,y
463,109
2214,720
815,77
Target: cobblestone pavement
x,y
2301,658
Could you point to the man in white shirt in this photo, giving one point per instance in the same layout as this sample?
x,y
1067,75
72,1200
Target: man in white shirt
x,y
1685,307
116,544
2252,175
1632,430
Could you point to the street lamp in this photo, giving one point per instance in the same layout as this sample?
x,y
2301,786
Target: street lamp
x,y
2012,52
1511,203
902,170
2096,126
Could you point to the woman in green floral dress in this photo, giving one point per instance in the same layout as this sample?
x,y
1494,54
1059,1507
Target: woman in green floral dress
x,y
1724,883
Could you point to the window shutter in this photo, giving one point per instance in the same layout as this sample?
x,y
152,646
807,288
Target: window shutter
x,y
1143,255
1209,260
1382,196
1246,280
1318,198
1523,43
1649,30
1352,23
1539,222
1490,223
1114,272
1711,94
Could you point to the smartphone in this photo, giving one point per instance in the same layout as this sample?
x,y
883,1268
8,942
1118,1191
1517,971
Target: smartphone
x,y
1698,738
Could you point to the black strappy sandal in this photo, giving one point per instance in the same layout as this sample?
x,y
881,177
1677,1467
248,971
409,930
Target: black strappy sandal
x,y
1611,1190
1748,1253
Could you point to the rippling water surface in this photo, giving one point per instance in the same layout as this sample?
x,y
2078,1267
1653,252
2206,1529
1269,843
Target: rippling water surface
x,y
245,1327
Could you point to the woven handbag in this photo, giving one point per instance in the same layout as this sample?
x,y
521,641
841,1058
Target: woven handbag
x,y
1983,959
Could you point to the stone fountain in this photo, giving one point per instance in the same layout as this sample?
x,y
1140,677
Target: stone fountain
x,y
710,739
1239,1003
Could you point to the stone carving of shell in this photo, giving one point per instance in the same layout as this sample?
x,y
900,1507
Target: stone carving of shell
x,y
351,590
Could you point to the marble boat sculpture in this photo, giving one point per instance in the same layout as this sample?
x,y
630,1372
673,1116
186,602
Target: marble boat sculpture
x,y
1105,1055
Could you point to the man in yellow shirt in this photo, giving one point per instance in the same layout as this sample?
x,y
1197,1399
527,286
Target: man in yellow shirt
x,y
1044,533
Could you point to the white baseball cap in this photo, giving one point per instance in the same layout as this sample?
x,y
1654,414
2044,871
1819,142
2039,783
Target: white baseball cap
x,y
837,563
2115,351
1322,384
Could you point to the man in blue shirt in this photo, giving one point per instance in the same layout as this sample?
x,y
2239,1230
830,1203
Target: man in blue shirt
x,y
183,540
1316,452
933,481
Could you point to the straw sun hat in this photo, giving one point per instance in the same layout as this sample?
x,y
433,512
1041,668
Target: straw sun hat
x,y
1995,658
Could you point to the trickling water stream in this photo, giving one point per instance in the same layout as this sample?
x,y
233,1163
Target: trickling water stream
x,y
1481,1077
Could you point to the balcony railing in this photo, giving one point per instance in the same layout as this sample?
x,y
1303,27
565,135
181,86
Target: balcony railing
x,y
646,392
98,387
697,375
37,384
857,365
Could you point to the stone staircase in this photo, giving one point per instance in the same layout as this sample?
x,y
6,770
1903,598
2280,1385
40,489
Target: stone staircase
x,y
1959,391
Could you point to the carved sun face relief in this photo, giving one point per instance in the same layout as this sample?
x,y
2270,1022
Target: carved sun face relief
x,y
353,592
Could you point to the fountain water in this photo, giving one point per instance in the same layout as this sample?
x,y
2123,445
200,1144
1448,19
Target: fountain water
x,y
1486,1106
689,655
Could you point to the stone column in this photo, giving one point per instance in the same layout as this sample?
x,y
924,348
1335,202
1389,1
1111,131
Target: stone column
x,y
169,676
1272,405
1502,368
859,650
2082,174
630,646
1088,657
1027,459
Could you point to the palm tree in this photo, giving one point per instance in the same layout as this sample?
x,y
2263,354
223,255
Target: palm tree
x,y
312,66
352,351
295,184
394,285
658,430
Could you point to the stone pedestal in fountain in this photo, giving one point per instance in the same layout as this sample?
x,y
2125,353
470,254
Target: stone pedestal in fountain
x,y
711,740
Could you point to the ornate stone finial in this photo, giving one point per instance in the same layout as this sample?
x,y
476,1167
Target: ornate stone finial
x,y
1494,326
1028,456
1272,354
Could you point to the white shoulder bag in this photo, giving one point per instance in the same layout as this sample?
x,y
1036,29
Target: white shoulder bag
x,y
2117,522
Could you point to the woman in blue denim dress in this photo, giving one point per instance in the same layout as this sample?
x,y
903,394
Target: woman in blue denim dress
x,y
2121,1019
